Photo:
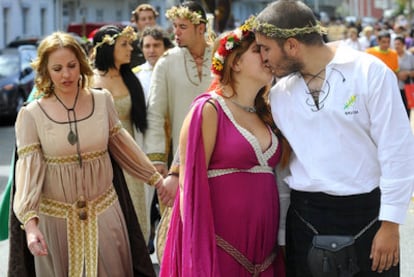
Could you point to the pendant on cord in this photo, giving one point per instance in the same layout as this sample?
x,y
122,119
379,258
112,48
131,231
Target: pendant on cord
x,y
72,137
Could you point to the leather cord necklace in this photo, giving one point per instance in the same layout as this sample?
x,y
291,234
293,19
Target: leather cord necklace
x,y
72,135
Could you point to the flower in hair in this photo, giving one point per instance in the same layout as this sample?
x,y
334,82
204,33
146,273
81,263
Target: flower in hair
x,y
185,13
127,32
226,45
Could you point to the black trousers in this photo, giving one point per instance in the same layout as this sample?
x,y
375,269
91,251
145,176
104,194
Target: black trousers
x,y
331,215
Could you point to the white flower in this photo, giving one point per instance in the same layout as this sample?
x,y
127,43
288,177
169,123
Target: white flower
x,y
238,33
229,45
219,57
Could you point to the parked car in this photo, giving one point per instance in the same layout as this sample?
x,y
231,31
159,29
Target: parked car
x,y
24,40
16,78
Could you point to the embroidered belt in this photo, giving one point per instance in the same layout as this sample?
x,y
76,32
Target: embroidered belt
x,y
254,269
82,229
256,169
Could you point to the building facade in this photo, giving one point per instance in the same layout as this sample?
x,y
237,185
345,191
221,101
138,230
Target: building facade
x,y
24,18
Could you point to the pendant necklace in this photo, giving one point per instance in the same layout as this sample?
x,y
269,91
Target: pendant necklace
x,y
248,109
72,136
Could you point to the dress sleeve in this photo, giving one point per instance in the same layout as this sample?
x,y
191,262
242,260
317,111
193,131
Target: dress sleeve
x,y
126,151
155,135
30,168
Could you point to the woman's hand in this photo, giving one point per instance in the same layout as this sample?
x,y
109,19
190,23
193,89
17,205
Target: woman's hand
x,y
169,191
35,240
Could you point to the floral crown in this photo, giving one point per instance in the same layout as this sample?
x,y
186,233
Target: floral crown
x,y
127,32
272,31
227,44
185,13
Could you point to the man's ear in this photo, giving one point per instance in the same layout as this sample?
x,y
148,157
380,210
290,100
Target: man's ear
x,y
291,46
201,28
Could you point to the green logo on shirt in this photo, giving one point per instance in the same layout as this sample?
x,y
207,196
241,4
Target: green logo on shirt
x,y
350,102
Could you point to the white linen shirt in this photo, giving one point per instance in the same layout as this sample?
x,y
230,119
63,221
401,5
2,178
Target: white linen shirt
x,y
144,72
359,139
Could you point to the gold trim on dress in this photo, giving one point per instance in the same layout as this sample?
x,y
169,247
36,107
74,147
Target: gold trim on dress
x,y
28,149
82,229
157,157
154,179
26,217
88,156
116,129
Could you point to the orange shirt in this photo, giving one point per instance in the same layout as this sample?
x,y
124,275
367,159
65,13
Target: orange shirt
x,y
389,57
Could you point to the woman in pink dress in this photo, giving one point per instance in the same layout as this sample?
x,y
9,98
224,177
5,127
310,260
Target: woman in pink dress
x,y
226,215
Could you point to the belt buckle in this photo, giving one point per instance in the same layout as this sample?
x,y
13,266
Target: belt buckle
x,y
81,205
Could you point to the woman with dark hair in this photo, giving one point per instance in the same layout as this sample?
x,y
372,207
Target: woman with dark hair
x,y
111,58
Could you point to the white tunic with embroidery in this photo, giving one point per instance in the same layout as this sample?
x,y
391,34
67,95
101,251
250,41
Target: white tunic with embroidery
x,y
174,85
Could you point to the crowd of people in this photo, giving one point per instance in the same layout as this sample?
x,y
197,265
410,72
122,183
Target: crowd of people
x,y
271,151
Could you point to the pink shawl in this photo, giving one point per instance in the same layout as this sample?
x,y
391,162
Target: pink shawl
x,y
191,246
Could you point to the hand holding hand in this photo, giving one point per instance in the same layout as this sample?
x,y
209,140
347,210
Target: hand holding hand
x,y
170,185
162,169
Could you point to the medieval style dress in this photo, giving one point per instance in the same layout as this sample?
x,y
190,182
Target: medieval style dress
x,y
136,187
231,206
70,189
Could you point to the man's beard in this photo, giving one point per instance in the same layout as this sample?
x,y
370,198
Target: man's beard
x,y
288,66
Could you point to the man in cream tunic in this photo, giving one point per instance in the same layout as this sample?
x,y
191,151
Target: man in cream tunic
x,y
180,75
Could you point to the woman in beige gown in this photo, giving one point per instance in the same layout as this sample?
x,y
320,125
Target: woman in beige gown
x,y
112,71
64,197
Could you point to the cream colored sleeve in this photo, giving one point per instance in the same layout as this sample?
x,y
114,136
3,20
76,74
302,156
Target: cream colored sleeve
x,y
30,168
157,112
126,151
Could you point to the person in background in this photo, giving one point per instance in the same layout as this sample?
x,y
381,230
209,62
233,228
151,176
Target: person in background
x,y
112,71
366,37
406,65
351,172
180,75
383,51
143,16
352,39
154,42
69,142
228,193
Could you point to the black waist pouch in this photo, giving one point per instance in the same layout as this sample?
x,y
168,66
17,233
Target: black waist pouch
x,y
332,256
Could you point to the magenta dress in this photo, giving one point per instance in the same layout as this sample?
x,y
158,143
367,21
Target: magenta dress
x,y
236,199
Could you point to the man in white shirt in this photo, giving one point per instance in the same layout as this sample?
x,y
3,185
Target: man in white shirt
x,y
353,150
154,42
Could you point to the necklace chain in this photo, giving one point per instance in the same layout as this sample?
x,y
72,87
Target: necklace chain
x,y
248,109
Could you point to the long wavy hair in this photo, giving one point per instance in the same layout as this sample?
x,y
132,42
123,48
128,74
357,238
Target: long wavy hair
x,y
104,60
50,44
